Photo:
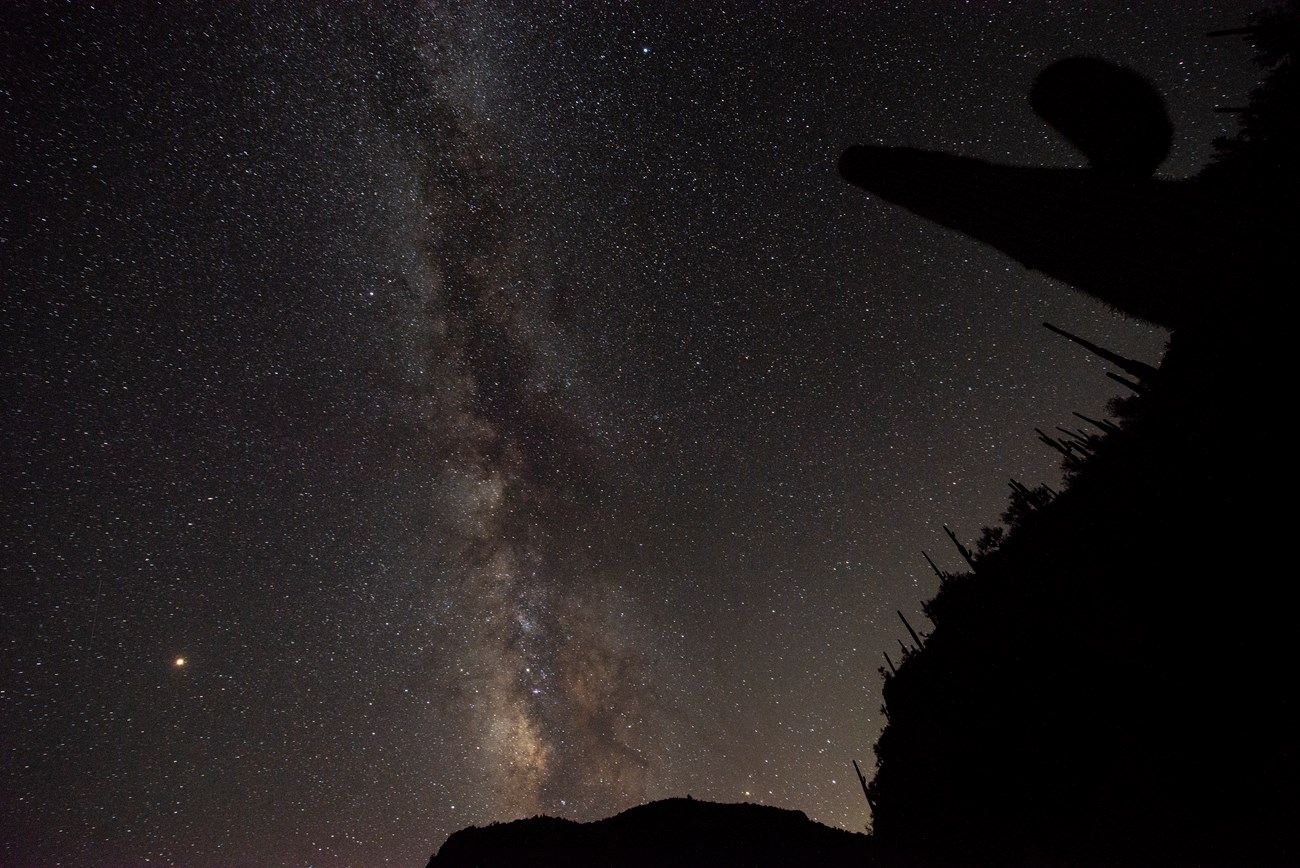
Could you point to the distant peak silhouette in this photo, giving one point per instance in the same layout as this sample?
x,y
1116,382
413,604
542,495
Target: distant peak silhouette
x,y
1109,112
678,832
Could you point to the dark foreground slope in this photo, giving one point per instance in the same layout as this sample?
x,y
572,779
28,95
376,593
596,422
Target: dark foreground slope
x,y
1116,680
673,832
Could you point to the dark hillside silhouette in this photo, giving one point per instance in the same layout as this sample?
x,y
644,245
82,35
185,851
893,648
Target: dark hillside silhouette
x,y
1114,681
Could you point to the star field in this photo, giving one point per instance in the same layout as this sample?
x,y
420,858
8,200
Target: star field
x,y
424,415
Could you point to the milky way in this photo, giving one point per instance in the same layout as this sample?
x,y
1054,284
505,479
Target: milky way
x,y
503,407
536,652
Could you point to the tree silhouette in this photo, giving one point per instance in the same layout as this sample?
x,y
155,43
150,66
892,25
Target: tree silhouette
x,y
1113,681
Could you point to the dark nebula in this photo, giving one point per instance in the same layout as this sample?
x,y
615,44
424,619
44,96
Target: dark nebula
x,y
503,408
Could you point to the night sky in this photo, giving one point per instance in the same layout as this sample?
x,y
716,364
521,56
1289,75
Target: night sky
x,y
418,416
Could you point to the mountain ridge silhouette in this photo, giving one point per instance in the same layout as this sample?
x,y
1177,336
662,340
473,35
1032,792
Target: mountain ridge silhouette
x,y
676,831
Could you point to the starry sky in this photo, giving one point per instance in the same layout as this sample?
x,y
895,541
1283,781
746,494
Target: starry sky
x,y
426,414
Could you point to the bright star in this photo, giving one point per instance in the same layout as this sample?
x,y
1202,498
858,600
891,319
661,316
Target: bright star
x,y
180,661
